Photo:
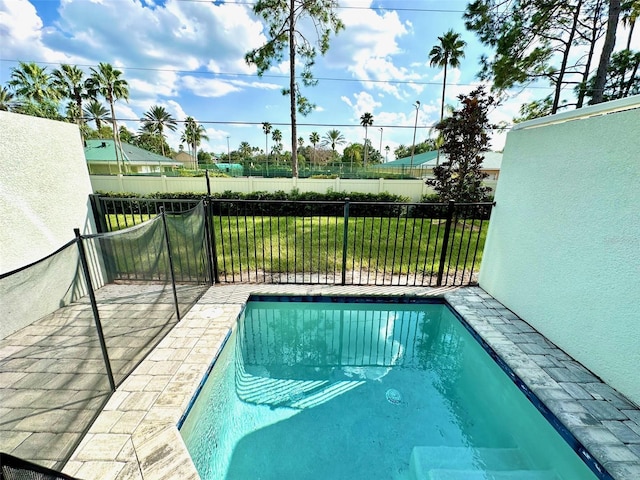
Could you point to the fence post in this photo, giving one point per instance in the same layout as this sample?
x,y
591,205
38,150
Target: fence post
x,y
98,213
445,241
212,258
173,277
345,241
206,176
94,308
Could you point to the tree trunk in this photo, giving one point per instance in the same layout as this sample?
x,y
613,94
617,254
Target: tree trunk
x,y
444,86
565,58
292,93
633,75
607,49
115,133
592,45
365,146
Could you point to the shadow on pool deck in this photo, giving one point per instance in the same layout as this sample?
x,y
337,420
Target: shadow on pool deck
x,y
53,379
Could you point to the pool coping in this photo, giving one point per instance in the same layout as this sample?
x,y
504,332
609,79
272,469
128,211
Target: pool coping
x,y
136,435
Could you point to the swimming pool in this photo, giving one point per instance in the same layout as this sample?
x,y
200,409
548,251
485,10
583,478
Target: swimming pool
x,y
366,389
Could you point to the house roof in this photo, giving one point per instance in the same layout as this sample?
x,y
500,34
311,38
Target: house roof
x,y
103,151
492,160
418,160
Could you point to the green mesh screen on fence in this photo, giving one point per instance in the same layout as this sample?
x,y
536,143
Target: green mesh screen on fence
x,y
66,343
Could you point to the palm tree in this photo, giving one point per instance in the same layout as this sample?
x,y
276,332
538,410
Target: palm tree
x,y
105,80
31,82
333,138
70,82
8,102
314,138
276,136
447,53
193,135
631,13
266,128
245,150
366,120
156,120
96,112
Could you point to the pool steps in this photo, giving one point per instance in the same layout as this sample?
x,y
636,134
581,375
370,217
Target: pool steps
x,y
492,475
463,463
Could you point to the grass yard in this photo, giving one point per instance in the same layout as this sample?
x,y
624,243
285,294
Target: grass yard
x,y
262,245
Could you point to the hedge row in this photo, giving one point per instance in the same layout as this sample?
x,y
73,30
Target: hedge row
x,y
292,203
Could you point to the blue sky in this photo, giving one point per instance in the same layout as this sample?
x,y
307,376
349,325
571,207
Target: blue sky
x,y
188,56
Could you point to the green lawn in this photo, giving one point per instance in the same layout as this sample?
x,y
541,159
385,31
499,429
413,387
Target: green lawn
x,y
315,245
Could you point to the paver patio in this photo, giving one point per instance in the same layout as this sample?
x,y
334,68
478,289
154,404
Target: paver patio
x,y
53,380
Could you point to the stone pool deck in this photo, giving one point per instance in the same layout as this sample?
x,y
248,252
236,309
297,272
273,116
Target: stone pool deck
x,y
135,436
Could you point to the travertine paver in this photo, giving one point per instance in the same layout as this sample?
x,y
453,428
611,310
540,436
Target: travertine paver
x,y
53,378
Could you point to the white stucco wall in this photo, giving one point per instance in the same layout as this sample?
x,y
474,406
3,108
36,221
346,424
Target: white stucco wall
x,y
44,192
563,247
44,188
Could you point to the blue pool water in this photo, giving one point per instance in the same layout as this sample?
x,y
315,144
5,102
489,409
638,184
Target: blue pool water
x,y
366,391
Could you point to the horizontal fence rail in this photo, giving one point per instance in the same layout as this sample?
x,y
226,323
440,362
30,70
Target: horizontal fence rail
x,y
342,242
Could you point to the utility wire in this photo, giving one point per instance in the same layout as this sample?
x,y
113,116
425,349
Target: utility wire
x,y
282,77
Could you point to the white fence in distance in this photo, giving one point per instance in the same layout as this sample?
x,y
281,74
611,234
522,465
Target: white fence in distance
x,y
414,189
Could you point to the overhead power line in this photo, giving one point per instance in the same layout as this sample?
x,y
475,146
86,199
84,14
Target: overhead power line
x,y
256,76
288,124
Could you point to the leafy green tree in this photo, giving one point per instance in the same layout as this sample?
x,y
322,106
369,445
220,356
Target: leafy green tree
x,y
334,138
32,83
284,34
44,109
353,155
445,54
106,81
623,77
148,139
126,135
70,81
537,39
156,120
96,112
535,109
466,137
366,120
204,158
403,151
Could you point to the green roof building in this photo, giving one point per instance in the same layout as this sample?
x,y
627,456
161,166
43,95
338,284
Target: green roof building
x,y
101,159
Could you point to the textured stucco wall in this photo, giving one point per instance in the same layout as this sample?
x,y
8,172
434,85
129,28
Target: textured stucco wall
x,y
44,188
563,247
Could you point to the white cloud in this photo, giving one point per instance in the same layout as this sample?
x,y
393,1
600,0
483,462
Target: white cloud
x,y
208,87
21,31
363,102
367,47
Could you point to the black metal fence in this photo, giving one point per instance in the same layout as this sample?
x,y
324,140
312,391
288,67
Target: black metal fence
x,y
346,243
